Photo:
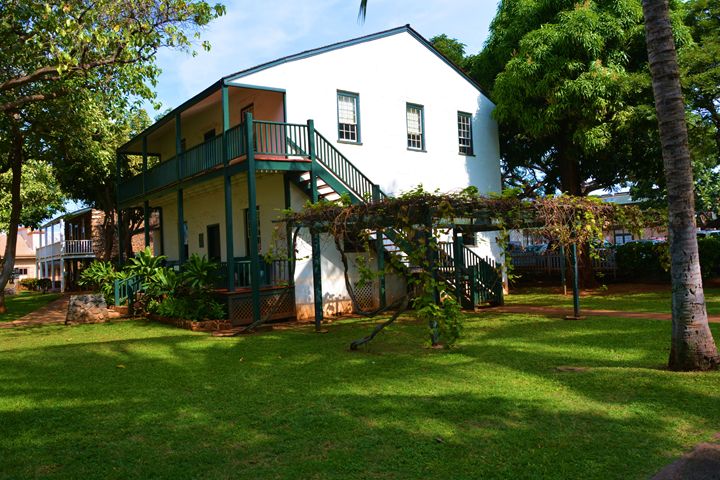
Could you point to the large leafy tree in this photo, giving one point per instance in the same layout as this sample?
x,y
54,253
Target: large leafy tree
x,y
692,346
53,52
40,194
572,90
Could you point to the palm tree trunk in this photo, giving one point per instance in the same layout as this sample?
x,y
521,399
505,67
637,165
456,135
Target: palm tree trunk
x,y
692,347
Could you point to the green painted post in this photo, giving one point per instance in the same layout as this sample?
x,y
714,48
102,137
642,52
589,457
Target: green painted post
x,y
459,265
288,227
118,175
252,219
562,269
380,254
229,230
576,289
315,236
161,222
180,208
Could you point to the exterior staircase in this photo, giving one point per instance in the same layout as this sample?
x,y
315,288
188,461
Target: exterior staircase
x,y
473,279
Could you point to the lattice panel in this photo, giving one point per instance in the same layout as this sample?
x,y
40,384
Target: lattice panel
x,y
366,296
240,306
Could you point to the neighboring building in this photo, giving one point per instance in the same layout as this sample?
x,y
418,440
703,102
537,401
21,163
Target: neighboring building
x,y
69,243
221,167
24,253
620,236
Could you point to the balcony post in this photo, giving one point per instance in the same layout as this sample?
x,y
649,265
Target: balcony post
x,y
144,164
180,210
118,176
229,229
252,219
380,253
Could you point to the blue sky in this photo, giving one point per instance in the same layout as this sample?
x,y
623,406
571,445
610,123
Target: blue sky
x,y
254,32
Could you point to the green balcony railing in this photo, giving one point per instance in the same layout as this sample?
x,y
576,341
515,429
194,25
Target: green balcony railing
x,y
273,274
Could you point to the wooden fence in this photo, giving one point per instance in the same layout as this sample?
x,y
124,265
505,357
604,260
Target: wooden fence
x,y
603,260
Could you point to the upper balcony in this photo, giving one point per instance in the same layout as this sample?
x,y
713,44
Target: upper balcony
x,y
66,249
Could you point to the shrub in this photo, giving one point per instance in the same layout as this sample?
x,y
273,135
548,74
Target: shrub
x,y
100,276
29,283
191,309
646,260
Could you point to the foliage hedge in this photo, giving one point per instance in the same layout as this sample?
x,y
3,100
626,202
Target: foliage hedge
x,y
646,260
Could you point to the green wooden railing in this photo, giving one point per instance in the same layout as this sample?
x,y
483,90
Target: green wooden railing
x,y
273,274
280,139
126,290
338,165
200,158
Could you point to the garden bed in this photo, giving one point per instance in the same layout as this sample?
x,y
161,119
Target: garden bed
x,y
194,325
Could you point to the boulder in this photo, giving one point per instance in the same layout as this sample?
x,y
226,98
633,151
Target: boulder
x,y
86,309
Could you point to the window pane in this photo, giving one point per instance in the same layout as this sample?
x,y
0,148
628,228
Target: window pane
x,y
347,117
465,134
414,127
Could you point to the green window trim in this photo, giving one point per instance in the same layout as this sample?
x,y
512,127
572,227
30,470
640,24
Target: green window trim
x,y
348,117
465,134
415,125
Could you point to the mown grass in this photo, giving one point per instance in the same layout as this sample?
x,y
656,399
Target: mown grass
x,y
25,302
657,300
139,400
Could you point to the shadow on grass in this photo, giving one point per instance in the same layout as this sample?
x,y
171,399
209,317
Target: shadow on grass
x,y
140,401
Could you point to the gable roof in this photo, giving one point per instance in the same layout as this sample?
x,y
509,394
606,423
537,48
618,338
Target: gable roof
x,y
299,56
349,43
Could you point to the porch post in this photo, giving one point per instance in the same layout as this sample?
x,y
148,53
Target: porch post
x,y
288,228
180,211
458,260
252,218
118,173
146,204
229,230
315,236
380,253
62,275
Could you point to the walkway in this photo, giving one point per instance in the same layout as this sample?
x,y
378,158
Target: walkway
x,y
561,312
51,314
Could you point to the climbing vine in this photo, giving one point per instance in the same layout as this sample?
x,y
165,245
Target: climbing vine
x,y
415,222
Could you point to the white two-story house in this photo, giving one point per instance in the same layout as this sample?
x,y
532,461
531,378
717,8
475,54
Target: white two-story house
x,y
366,117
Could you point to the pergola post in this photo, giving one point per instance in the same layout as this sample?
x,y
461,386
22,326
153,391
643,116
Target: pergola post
x,y
315,236
180,209
380,254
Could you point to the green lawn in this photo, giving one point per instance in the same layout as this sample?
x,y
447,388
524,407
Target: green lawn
x,y
652,301
139,400
24,303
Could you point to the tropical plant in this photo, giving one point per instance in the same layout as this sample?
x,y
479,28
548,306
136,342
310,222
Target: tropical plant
x,y
145,264
198,274
100,276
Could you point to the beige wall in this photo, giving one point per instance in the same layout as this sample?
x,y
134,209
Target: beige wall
x,y
24,250
207,115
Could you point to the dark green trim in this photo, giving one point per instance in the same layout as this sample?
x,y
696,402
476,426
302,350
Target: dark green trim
x,y
255,280
181,226
227,181
118,176
355,96
252,87
144,163
409,105
161,221
458,264
282,165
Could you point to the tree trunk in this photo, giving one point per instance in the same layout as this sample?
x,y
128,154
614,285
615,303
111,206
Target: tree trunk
x,y
16,156
692,347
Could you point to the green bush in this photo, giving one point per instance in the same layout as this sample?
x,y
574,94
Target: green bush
x,y
646,260
29,283
190,308
100,277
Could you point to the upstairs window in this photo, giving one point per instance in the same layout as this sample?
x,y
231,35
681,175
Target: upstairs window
x,y
348,117
465,133
415,127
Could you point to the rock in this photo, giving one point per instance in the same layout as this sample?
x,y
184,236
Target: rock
x,y
86,309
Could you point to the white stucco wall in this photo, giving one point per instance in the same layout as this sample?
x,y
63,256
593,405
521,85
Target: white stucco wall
x,y
387,73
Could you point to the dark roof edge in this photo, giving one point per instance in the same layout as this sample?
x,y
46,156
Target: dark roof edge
x,y
355,41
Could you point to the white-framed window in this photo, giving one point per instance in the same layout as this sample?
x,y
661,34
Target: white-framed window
x,y
622,237
348,107
415,127
465,142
